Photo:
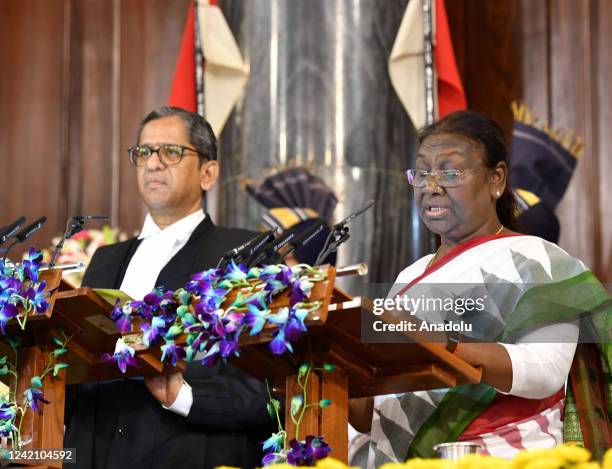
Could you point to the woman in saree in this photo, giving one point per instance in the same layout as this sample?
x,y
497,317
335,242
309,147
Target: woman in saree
x,y
542,303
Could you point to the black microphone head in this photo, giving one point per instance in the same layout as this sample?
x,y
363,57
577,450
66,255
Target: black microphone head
x,y
11,230
308,252
31,229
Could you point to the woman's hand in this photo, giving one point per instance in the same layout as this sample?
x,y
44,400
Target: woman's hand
x,y
494,360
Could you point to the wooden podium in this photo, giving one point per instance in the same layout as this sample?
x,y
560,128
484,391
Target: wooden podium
x,y
362,369
333,336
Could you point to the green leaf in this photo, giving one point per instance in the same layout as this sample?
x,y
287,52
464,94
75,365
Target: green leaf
x,y
296,404
303,369
184,296
173,332
3,370
59,351
324,403
58,341
329,367
3,360
36,381
270,409
58,367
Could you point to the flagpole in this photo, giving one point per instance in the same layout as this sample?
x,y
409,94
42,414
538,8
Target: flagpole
x,y
199,59
431,104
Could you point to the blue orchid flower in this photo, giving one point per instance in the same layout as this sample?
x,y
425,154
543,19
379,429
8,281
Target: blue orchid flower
x,y
7,312
229,347
33,397
38,298
279,344
235,272
256,318
7,418
306,453
123,356
122,315
170,351
300,290
274,443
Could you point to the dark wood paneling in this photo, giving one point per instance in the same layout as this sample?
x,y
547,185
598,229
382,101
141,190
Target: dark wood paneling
x,y
31,99
602,38
552,55
570,109
151,32
487,41
91,113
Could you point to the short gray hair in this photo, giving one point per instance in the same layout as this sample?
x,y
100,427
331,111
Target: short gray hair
x,y
201,135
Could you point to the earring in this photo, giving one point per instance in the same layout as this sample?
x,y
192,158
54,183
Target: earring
x,y
498,193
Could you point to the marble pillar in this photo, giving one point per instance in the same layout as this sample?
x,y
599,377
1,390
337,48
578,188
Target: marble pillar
x,y
319,95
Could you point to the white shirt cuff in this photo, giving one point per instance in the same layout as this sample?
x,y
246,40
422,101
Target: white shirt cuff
x,y
183,402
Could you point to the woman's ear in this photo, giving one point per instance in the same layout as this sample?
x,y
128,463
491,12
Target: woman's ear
x,y
209,172
498,177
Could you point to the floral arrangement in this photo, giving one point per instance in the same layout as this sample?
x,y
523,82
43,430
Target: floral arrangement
x,y
560,457
296,452
81,247
21,294
191,323
20,291
211,313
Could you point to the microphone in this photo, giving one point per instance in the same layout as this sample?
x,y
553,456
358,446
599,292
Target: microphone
x,y
305,237
340,233
11,230
270,249
246,250
75,224
26,233
31,229
354,215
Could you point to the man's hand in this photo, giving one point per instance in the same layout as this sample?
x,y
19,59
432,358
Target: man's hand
x,y
165,386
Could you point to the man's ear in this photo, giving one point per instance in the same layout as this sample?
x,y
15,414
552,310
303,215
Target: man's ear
x,y
209,172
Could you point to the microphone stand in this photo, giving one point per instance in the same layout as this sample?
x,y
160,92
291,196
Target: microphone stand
x,y
75,225
340,234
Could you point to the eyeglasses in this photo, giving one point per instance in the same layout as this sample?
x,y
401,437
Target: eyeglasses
x,y
169,154
444,178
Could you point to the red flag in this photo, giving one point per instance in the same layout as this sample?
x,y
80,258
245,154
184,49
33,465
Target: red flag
x,y
451,96
183,92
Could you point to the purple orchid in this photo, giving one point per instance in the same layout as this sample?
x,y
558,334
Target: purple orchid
x,y
294,329
306,453
152,332
31,265
38,298
7,312
229,347
172,352
7,418
33,396
123,356
300,290
256,318
233,321
122,315
279,344
235,272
